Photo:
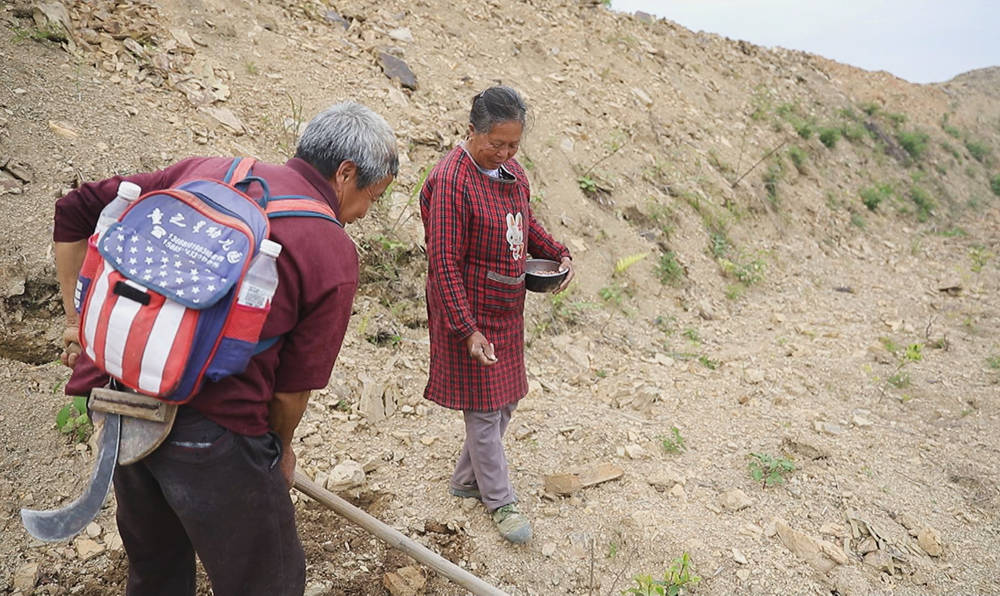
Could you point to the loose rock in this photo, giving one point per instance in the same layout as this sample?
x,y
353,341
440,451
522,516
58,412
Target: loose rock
x,y
735,500
25,578
929,539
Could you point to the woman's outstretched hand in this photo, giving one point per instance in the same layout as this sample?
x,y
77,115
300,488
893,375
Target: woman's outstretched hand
x,y
565,265
480,349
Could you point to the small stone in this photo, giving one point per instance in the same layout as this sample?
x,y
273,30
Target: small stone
x,y
406,409
548,549
113,542
743,574
566,144
735,500
317,589
830,428
468,504
62,129
397,70
405,581
25,578
831,529
87,548
634,451
665,478
428,441
753,376
880,560
401,34
739,557
678,492
347,474
929,539
861,421
643,96
93,530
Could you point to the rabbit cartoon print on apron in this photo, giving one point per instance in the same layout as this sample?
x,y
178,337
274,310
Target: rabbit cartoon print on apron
x,y
515,235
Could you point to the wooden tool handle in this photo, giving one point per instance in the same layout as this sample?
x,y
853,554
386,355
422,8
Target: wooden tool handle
x,y
395,539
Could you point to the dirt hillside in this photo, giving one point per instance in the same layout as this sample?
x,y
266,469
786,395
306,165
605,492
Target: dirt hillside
x,y
782,261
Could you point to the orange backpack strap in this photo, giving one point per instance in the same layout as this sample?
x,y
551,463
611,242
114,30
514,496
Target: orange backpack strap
x,y
239,169
299,206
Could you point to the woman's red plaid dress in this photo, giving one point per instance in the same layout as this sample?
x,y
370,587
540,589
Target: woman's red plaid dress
x,y
478,230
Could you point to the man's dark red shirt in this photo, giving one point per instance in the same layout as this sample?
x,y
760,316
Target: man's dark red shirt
x,y
317,272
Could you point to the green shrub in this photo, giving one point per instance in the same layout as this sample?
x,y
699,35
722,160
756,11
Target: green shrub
x,y
803,128
923,201
995,185
896,119
874,195
669,269
951,130
771,179
853,132
798,157
870,108
977,150
829,137
914,142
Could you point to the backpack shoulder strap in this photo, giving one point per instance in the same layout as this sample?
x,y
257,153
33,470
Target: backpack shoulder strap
x,y
300,206
239,169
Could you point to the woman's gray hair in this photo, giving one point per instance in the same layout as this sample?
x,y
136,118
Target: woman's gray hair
x,y
349,131
495,105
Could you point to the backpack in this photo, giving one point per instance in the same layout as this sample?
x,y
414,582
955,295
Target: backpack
x,y
157,296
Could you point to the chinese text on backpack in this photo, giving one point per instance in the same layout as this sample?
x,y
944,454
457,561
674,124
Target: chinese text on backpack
x,y
157,296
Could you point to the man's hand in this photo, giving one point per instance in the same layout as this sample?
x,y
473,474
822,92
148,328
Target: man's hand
x,y
71,346
284,413
287,465
565,265
480,349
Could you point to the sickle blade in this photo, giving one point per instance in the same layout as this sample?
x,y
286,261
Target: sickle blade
x,y
62,523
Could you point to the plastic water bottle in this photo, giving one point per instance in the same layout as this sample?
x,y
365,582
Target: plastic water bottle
x,y
127,192
261,279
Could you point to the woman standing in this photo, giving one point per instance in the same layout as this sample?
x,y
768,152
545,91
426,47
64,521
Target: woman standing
x,y
479,230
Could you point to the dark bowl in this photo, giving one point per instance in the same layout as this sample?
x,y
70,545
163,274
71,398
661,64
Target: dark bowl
x,y
542,275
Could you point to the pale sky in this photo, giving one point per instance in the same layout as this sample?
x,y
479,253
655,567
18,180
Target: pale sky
x,y
922,41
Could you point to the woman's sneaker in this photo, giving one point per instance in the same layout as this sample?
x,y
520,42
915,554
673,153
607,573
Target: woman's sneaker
x,y
513,525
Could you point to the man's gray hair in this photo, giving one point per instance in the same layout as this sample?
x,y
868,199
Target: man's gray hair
x,y
349,131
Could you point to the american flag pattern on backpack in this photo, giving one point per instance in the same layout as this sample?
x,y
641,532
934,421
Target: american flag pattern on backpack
x,y
157,292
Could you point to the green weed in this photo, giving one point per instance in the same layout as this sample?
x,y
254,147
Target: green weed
x,y
798,157
675,580
993,362
923,202
900,380
587,184
692,335
73,418
771,179
995,185
769,470
673,443
977,150
980,257
874,195
914,142
829,137
669,269
896,119
708,362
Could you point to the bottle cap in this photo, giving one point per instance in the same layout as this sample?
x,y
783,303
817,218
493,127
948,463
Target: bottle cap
x,y
270,248
129,191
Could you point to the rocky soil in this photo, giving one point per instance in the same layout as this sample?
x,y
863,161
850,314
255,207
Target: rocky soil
x,y
778,255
